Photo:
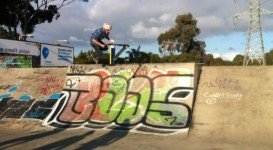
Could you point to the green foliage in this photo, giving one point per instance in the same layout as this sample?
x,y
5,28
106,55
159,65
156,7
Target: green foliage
x,y
28,14
4,33
8,11
9,17
218,62
181,36
238,60
269,57
83,58
8,35
137,56
194,56
154,58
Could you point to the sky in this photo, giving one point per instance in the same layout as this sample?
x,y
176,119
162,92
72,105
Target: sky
x,y
140,22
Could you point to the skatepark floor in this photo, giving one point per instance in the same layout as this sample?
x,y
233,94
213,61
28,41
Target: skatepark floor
x,y
48,138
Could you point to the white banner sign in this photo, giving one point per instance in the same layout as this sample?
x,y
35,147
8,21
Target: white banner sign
x,y
52,55
19,47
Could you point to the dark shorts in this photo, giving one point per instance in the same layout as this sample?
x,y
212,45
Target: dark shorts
x,y
98,50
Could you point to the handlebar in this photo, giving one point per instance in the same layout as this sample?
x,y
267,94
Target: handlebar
x,y
126,45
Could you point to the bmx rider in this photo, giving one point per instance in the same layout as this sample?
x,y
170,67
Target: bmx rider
x,y
96,40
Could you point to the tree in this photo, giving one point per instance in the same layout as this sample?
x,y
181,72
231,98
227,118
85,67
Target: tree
x,y
4,33
154,58
83,58
9,17
208,59
238,60
29,13
269,57
136,56
181,36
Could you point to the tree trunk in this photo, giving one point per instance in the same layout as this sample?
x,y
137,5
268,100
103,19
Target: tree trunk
x,y
16,37
10,32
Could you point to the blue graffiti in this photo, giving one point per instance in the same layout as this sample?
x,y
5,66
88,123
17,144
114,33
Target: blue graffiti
x,y
3,96
12,89
25,98
55,96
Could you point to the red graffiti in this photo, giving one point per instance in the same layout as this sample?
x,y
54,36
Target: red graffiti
x,y
50,85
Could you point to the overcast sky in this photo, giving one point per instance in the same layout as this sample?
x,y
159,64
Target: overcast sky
x,y
139,22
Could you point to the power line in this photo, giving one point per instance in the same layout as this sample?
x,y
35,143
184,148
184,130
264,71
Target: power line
x,y
254,45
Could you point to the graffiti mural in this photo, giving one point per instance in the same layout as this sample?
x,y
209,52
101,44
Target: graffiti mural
x,y
30,93
146,99
50,84
28,83
15,61
32,109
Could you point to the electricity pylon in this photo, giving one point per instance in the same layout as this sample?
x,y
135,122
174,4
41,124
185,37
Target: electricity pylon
x,y
254,45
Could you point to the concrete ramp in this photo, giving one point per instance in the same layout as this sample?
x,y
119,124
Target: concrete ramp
x,y
231,104
150,98
235,104
29,93
231,108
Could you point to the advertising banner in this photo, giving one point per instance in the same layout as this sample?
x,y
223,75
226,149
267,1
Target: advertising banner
x,y
15,61
54,55
19,47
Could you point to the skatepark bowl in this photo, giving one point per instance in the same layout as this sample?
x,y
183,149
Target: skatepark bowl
x,y
148,106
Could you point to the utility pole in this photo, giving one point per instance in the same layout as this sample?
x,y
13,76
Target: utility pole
x,y
254,45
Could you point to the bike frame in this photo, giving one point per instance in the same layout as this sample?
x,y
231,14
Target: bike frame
x,y
113,56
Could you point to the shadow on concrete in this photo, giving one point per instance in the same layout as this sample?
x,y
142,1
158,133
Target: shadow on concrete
x,y
104,140
28,138
107,138
65,142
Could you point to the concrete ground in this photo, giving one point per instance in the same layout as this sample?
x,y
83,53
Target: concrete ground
x,y
47,138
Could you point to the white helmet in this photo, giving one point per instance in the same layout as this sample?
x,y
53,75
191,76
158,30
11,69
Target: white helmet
x,y
107,26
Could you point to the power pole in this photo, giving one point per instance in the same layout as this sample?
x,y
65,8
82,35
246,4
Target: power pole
x,y
254,45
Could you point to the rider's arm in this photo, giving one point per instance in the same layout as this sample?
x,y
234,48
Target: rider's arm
x,y
111,41
97,35
96,42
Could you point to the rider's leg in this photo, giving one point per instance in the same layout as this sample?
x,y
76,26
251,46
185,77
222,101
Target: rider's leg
x,y
93,57
99,52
